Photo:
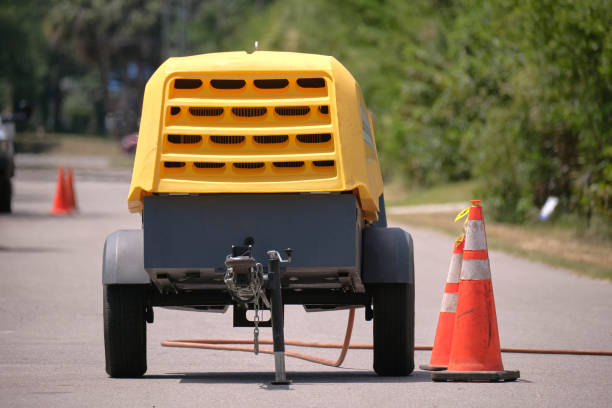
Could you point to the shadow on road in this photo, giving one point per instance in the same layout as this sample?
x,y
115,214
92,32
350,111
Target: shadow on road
x,y
297,378
28,249
30,215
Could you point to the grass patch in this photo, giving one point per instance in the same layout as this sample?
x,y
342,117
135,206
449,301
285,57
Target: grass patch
x,y
87,146
396,194
67,144
60,144
553,244
122,162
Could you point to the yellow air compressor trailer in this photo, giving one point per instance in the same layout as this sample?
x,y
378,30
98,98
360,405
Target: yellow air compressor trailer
x,y
241,156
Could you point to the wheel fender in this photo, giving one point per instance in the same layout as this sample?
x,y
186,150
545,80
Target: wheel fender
x,y
382,213
123,261
388,256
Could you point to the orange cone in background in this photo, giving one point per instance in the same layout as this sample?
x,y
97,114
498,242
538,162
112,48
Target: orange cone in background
x,y
70,194
60,204
475,352
440,353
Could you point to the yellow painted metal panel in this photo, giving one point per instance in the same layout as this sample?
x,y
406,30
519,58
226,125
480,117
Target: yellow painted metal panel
x,y
265,122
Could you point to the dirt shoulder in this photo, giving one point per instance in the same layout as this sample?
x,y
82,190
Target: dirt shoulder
x,y
552,245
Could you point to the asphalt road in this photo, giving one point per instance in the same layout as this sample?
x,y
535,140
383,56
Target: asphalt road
x,y
51,344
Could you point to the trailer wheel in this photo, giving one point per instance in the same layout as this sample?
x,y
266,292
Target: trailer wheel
x,y
125,332
393,328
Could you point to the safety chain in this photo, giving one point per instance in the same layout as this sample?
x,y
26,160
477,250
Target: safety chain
x,y
256,323
258,278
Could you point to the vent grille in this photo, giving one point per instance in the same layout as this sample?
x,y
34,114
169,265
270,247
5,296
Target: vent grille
x,y
208,165
184,139
227,83
174,165
256,165
184,83
324,163
271,139
271,83
266,127
227,139
289,164
206,111
249,112
311,82
292,110
314,138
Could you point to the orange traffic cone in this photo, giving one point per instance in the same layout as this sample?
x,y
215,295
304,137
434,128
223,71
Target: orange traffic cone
x,y
475,352
70,195
440,353
60,204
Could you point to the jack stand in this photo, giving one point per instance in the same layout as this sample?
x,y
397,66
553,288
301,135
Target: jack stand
x,y
278,326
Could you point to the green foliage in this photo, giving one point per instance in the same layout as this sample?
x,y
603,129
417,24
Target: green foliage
x,y
549,132
21,61
215,24
104,37
516,94
571,47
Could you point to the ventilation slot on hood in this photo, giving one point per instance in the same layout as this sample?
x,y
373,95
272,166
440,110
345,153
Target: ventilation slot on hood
x,y
208,165
184,139
311,82
249,112
206,111
324,163
271,83
257,165
292,110
174,165
314,138
227,83
183,83
227,139
271,139
289,164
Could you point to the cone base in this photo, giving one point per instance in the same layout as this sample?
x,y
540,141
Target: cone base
x,y
61,212
504,375
428,367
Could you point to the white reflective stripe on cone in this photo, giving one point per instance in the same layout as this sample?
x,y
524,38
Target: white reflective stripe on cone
x,y
475,269
449,303
475,238
454,270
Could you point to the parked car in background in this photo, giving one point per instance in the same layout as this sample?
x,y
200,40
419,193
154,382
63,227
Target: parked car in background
x,y
7,164
129,143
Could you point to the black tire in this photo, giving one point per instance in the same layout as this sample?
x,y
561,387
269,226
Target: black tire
x,y
6,193
393,328
125,331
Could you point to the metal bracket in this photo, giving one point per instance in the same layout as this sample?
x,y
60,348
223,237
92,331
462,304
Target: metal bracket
x,y
240,319
275,255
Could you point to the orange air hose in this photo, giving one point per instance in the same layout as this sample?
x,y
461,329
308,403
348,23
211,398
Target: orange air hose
x,y
230,345
220,344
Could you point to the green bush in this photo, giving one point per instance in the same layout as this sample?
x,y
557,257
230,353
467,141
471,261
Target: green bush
x,y
517,94
550,131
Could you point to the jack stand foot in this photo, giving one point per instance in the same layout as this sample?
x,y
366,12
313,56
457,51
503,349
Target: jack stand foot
x,y
278,326
279,369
